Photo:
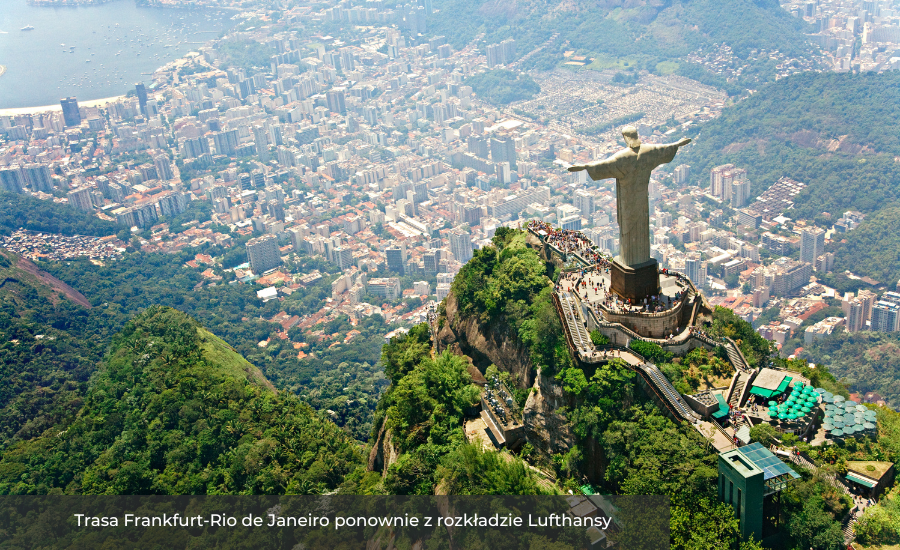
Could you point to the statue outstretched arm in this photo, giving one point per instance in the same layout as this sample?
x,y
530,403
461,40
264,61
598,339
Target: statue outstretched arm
x,y
599,170
662,154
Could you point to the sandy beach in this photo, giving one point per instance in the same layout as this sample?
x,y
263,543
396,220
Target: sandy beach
x,y
57,107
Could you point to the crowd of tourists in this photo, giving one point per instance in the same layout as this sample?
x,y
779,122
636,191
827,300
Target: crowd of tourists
x,y
569,241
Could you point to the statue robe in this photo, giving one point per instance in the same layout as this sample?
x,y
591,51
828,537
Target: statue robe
x,y
631,167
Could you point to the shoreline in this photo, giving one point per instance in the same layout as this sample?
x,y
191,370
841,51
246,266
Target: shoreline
x,y
13,111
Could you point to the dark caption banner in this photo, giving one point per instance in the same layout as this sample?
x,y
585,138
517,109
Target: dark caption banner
x,y
334,522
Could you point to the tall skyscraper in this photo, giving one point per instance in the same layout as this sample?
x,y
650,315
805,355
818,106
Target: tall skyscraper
x,y
163,167
336,100
692,269
856,318
263,253
71,114
740,192
81,199
503,149
396,259
226,142
343,257
38,177
886,317
812,244
584,201
682,174
260,136
141,91
460,245
11,179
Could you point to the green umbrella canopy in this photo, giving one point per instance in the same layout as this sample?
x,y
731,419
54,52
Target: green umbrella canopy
x,y
828,427
782,416
837,432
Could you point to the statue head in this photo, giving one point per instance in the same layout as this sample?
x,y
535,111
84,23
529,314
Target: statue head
x,y
630,134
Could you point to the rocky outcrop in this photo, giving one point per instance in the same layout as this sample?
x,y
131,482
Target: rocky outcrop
x,y
496,343
383,453
548,431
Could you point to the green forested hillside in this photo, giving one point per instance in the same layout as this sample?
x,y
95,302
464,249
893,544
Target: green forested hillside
x,y
424,410
509,283
39,215
873,248
864,361
502,87
337,376
834,132
659,31
175,410
49,346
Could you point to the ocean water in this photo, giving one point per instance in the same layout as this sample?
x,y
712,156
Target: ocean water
x,y
92,52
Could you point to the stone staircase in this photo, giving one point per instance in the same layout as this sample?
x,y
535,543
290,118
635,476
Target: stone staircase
x,y
737,389
848,525
736,357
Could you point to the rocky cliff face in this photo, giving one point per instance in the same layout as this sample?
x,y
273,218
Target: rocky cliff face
x,y
383,453
546,429
485,344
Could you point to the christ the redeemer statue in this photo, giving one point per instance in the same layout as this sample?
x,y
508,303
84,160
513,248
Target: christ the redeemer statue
x,y
631,167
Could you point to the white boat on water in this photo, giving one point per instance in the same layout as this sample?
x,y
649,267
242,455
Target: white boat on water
x,y
28,28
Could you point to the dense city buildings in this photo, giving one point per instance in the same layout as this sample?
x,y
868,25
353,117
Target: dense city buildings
x,y
374,155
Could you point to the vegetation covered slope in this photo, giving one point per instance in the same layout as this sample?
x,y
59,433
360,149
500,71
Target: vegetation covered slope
x,y
834,132
49,345
502,87
35,214
424,409
175,410
659,31
873,248
864,361
337,375
508,283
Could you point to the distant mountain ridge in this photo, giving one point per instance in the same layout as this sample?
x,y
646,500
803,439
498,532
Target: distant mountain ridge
x,y
658,29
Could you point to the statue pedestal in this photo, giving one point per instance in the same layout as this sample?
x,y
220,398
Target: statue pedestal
x,y
635,282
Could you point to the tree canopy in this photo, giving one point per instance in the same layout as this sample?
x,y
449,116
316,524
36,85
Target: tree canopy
x,y
175,410
24,211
